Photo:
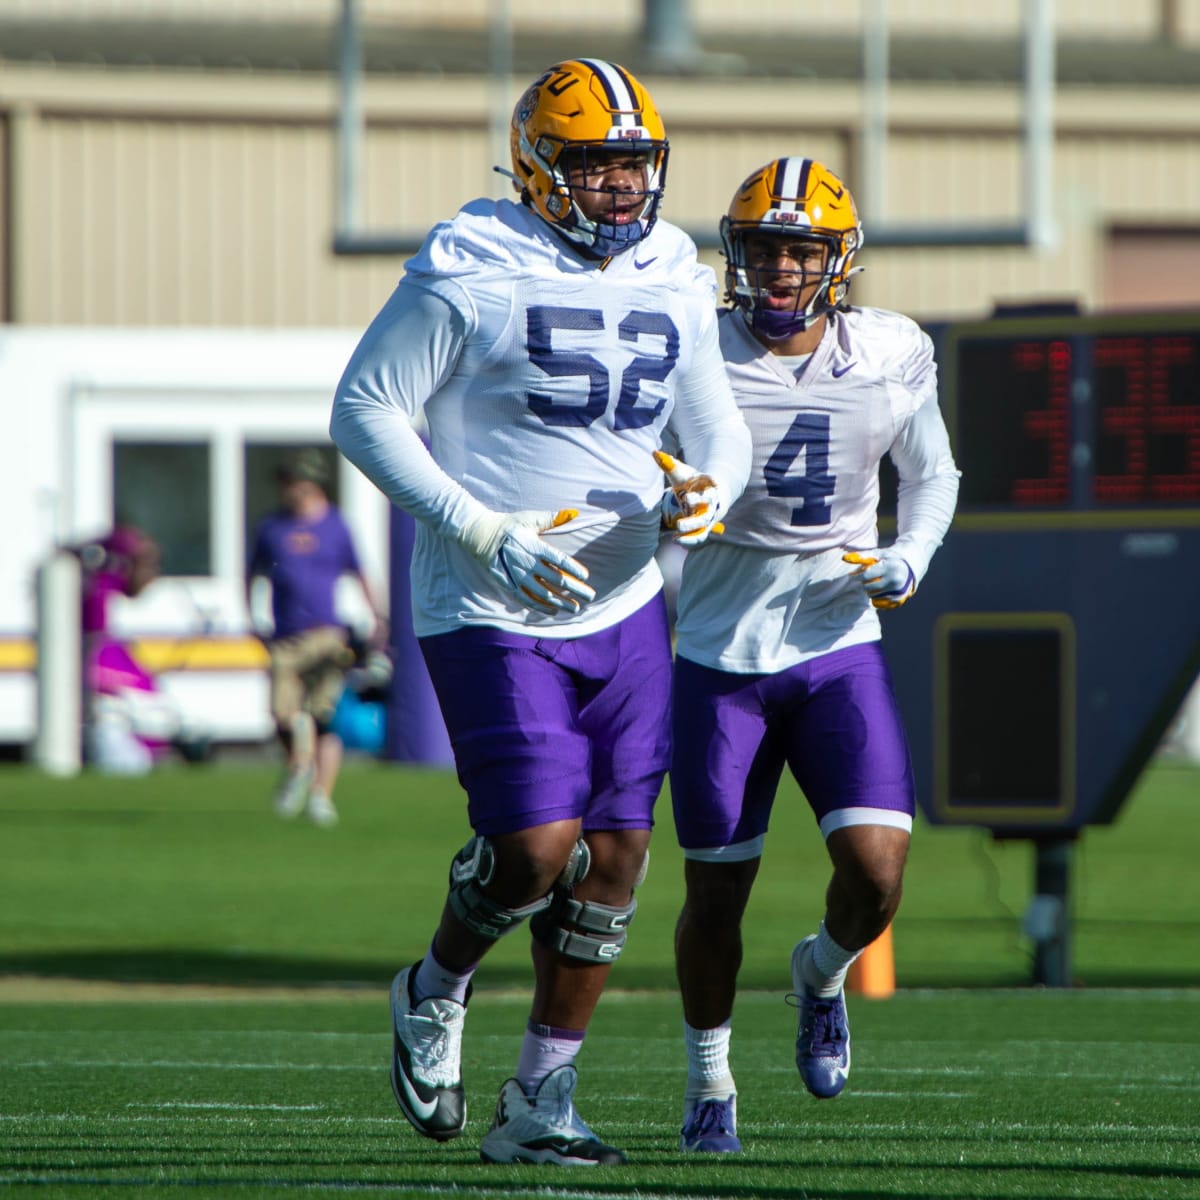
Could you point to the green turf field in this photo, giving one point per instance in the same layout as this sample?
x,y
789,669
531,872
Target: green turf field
x,y
192,995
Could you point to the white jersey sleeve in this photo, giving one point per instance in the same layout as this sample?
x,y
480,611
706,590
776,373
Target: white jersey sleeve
x,y
774,590
406,354
928,490
546,381
708,421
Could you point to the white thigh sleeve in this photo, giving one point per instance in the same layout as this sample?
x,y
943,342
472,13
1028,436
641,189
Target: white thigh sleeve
x,y
843,818
738,852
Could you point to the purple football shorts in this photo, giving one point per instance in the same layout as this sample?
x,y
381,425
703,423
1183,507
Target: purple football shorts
x,y
550,729
833,720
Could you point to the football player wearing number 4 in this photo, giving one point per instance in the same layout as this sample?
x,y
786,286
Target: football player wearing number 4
x,y
778,655
552,343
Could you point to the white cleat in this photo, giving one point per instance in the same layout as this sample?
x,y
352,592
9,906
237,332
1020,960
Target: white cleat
x,y
544,1128
426,1056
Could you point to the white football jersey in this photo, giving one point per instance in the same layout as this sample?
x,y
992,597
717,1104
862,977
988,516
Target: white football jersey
x,y
774,591
546,383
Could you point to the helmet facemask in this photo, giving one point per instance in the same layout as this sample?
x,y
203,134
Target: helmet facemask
x,y
624,217
563,162
749,287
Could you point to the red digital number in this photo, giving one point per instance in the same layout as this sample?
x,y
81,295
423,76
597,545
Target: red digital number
x,y
1052,361
1152,433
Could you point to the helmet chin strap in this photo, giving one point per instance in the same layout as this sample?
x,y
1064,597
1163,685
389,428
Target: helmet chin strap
x,y
608,237
613,239
778,324
605,240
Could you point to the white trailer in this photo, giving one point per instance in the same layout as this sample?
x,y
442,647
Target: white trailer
x,y
180,432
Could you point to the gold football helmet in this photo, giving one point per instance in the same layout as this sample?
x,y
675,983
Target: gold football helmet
x,y
805,199
574,108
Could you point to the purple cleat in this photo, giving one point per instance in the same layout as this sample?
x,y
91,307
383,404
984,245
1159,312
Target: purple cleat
x,y
823,1039
710,1127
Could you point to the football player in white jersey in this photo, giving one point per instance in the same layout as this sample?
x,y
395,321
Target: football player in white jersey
x,y
779,660
550,343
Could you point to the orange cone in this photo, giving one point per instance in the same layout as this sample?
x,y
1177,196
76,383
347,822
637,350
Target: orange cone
x,y
873,972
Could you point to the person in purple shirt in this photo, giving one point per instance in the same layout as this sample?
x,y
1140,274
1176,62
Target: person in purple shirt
x,y
303,549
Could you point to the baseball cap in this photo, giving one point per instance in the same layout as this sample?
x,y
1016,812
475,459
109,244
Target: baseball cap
x,y
308,465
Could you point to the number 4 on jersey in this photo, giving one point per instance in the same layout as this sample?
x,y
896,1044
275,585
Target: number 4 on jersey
x,y
808,436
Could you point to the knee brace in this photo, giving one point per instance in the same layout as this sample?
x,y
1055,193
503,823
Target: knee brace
x,y
577,866
471,870
585,930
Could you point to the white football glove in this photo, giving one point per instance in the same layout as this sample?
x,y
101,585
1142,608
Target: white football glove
x,y
691,504
886,578
541,577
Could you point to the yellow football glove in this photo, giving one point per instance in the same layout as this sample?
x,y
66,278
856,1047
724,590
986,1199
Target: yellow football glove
x,y
886,578
691,504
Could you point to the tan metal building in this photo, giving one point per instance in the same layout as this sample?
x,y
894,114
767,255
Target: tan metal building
x,y
173,163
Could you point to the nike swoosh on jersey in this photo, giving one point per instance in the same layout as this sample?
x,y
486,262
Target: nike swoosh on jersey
x,y
838,372
641,266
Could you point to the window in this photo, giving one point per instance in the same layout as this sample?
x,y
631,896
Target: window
x,y
165,490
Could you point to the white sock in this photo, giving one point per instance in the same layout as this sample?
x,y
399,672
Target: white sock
x,y
543,1050
826,963
708,1062
434,979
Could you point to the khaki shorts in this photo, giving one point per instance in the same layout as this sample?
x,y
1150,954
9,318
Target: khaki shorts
x,y
308,672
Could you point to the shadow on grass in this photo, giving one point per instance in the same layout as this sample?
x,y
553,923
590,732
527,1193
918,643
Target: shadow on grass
x,y
263,970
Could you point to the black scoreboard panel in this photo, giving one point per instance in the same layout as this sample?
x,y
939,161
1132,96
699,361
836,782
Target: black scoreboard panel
x,y
1058,629
1004,703
1100,414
